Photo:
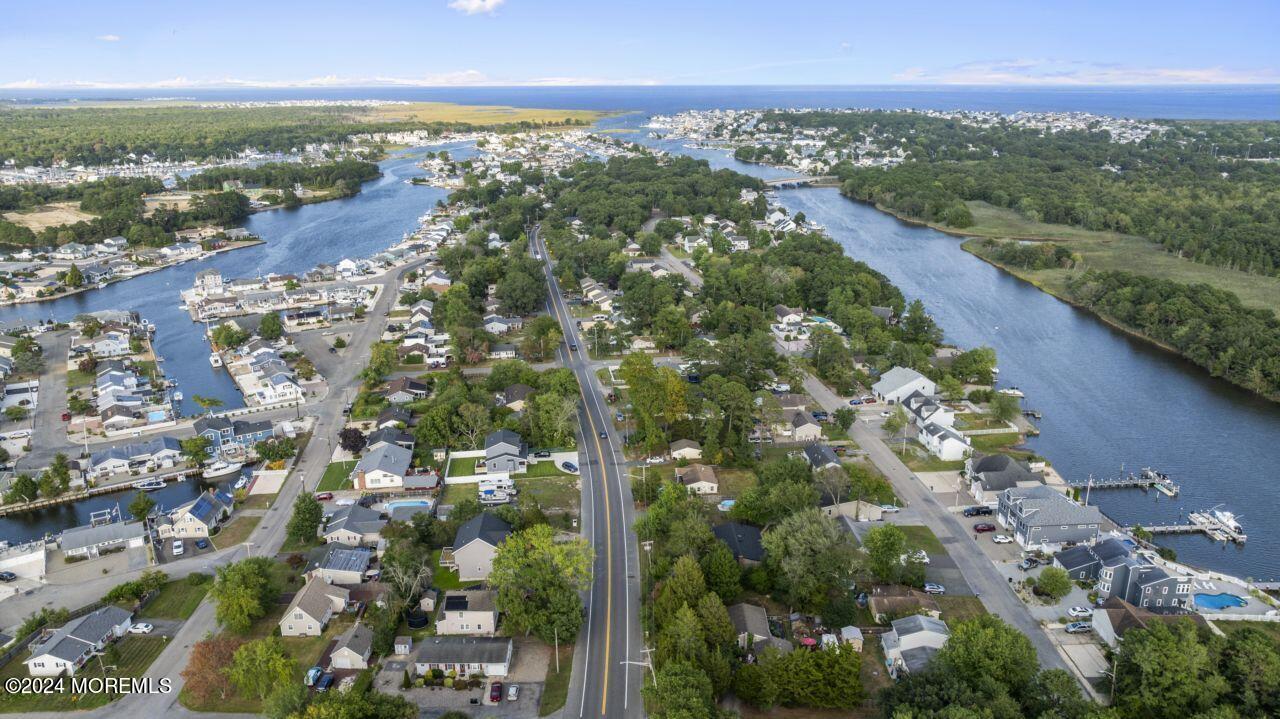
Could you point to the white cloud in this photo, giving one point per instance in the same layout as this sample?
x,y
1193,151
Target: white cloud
x,y
109,38
475,7
1040,71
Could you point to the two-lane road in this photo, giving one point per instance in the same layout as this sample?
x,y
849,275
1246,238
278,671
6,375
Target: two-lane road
x,y
605,681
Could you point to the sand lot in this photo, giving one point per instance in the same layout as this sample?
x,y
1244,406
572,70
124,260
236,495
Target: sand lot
x,y
53,215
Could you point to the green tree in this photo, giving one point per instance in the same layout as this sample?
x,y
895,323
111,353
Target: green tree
x,y
141,505
681,691
537,580
896,423
1165,671
195,449
680,638
1004,407
844,418
951,388
243,592
984,650
722,573
74,277
206,403
683,587
271,328
811,553
22,489
885,544
14,413
260,666
305,522
1054,582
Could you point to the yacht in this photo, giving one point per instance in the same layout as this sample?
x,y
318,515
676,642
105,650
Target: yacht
x,y
177,396
221,468
1012,392
149,485
215,359
1228,520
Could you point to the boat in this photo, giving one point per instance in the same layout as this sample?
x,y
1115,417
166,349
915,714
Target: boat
x,y
221,468
215,359
1012,392
241,483
149,485
177,396
102,285
1227,519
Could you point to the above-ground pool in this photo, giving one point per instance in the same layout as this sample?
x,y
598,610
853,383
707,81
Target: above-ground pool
x,y
1223,600
407,503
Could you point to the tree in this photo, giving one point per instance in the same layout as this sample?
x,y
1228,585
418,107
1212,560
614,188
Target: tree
x,y
844,418
680,638
260,666
227,336
951,388
305,522
1004,407
680,691
243,592
1165,671
141,505
827,679
811,553
1251,665
22,489
351,439
722,573
205,675
985,650
1054,583
15,413
271,328
206,403
472,422
684,586
717,628
276,449
537,580
895,423
286,701
885,544
195,449
74,277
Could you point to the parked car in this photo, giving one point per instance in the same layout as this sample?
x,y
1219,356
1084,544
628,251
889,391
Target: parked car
x,y
855,402
326,681
1079,628
178,548
931,588
312,676
1080,612
202,544
495,692
66,416
620,417
977,511
982,527
886,413
1028,564
821,416
141,628
333,350
513,692
1002,539
656,460
7,576
541,454
569,467
889,508
324,496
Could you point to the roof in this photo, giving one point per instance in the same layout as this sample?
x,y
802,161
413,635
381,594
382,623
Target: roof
x,y
486,527
1043,506
339,557
695,473
820,455
406,512
743,540
895,379
917,623
749,619
1073,558
1124,616
463,650
1109,549
72,639
390,435
802,418
316,597
394,414
502,436
359,639
476,600
516,393
917,658
87,536
355,518
390,458
680,444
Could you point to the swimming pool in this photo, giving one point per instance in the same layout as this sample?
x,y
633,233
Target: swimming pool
x,y
157,415
1223,600
391,506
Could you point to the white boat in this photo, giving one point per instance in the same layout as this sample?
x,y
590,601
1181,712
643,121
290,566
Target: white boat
x,y
221,468
1228,520
1012,392
177,396
215,359
241,483
149,485
102,285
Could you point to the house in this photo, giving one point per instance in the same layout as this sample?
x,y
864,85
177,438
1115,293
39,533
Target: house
x,y
944,442
751,623
199,518
698,478
312,608
354,525
159,453
92,540
468,612
1041,517
912,642
383,467
516,396
405,389
891,601
784,315
389,435
1084,562
923,409
820,457
8,344
393,417
1116,617
71,251
482,656
991,474
804,428
743,540
494,324
113,343
353,648
686,449
224,434
502,351
899,383
337,563
505,451
1140,582
474,545
67,648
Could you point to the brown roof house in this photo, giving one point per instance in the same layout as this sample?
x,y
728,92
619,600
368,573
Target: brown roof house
x,y
699,478
312,608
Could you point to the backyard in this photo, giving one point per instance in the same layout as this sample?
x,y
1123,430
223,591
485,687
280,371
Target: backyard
x,y
136,653
177,600
235,531
337,476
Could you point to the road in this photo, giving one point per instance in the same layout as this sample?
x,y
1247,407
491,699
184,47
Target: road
x,y
605,680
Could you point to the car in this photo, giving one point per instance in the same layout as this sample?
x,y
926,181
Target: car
x,y
312,676
1028,564
7,576
141,628
66,416
855,402
977,511
513,692
1080,612
1002,539
324,496
932,588
620,417
333,350
178,548
495,692
202,544
569,467
327,333
326,681
541,454
604,434
820,416
1079,628
983,527
868,400
573,347
656,460
889,508
886,413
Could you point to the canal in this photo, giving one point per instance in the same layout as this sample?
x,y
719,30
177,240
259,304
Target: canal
x,y
1110,401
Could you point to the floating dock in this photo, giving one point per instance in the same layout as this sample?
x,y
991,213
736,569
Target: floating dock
x,y
1148,479
1206,523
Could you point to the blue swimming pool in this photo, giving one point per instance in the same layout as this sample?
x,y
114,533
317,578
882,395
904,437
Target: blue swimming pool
x,y
157,415
390,506
1223,600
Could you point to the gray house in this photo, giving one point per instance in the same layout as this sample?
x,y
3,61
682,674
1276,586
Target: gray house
x,y
505,451
1084,563
991,474
474,546
1043,518
1143,584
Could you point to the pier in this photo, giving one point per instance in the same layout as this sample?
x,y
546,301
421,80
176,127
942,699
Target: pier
x,y
1218,526
1148,479
178,476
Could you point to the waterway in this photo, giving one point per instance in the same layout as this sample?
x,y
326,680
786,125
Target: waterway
x,y
1109,400
295,241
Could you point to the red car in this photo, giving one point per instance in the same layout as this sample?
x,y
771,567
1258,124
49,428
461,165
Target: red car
x,y
324,496
495,692
66,416
981,527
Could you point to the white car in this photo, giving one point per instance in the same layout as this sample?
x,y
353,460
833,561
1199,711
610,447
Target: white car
x,y
1002,539
656,460
178,548
1080,612
888,508
886,414
141,628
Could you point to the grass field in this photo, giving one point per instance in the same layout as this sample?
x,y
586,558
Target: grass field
x,y
918,459
921,537
477,114
556,689
461,466
444,579
235,531
52,215
957,609
554,492
1112,251
76,378
545,468
177,600
336,476
136,654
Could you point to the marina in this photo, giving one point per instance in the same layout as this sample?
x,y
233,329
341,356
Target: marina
x,y
1147,479
1216,524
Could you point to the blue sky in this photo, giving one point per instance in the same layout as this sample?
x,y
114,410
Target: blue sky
x,y
126,43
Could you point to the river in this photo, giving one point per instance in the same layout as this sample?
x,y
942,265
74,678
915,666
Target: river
x,y
1109,400
296,241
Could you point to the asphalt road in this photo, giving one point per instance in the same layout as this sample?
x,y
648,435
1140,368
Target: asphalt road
x,y
605,680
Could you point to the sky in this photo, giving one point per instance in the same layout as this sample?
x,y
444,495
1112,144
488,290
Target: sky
x,y
318,43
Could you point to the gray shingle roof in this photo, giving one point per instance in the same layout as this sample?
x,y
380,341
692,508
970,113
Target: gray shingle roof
x,y
356,518
463,650
486,527
390,458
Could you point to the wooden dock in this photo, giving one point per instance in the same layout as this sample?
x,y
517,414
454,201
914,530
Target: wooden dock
x,y
176,476
1216,532
1132,481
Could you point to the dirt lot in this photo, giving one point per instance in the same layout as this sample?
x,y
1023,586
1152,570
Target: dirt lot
x,y
58,213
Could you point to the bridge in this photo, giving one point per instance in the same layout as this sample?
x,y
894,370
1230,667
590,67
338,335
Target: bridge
x,y
805,181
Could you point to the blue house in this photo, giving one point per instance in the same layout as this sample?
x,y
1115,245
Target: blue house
x,y
223,433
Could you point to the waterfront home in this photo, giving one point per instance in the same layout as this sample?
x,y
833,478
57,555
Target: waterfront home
x,y
1142,583
113,245
751,624
353,648
92,540
474,545
480,656
1116,617
225,434
1084,562
354,525
923,409
312,608
338,563
899,383
383,467
199,518
468,612
1043,518
65,650
71,251
686,449
698,479
991,474
743,540
112,343
944,442
505,451
158,453
912,643
180,250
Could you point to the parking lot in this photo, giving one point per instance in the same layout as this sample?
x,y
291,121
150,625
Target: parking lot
x,y
164,549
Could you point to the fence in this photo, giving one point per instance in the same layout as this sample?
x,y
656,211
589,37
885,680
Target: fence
x,y
22,644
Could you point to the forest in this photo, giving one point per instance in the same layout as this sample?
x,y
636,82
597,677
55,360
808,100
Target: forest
x,y
1206,325
347,173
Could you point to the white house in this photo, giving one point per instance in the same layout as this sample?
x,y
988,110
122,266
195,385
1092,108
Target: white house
x,y
484,656
383,467
698,478
67,648
353,649
944,442
312,608
468,612
899,383
686,449
912,642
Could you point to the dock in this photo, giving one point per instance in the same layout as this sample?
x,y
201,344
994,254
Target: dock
x,y
1202,523
1148,479
175,476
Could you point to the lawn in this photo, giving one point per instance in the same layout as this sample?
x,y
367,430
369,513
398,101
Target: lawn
x,y
545,468
921,537
971,420
177,600
461,466
258,501
918,459
958,609
995,442
235,531
336,476
556,689
444,578
735,482
136,654
554,492
76,378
